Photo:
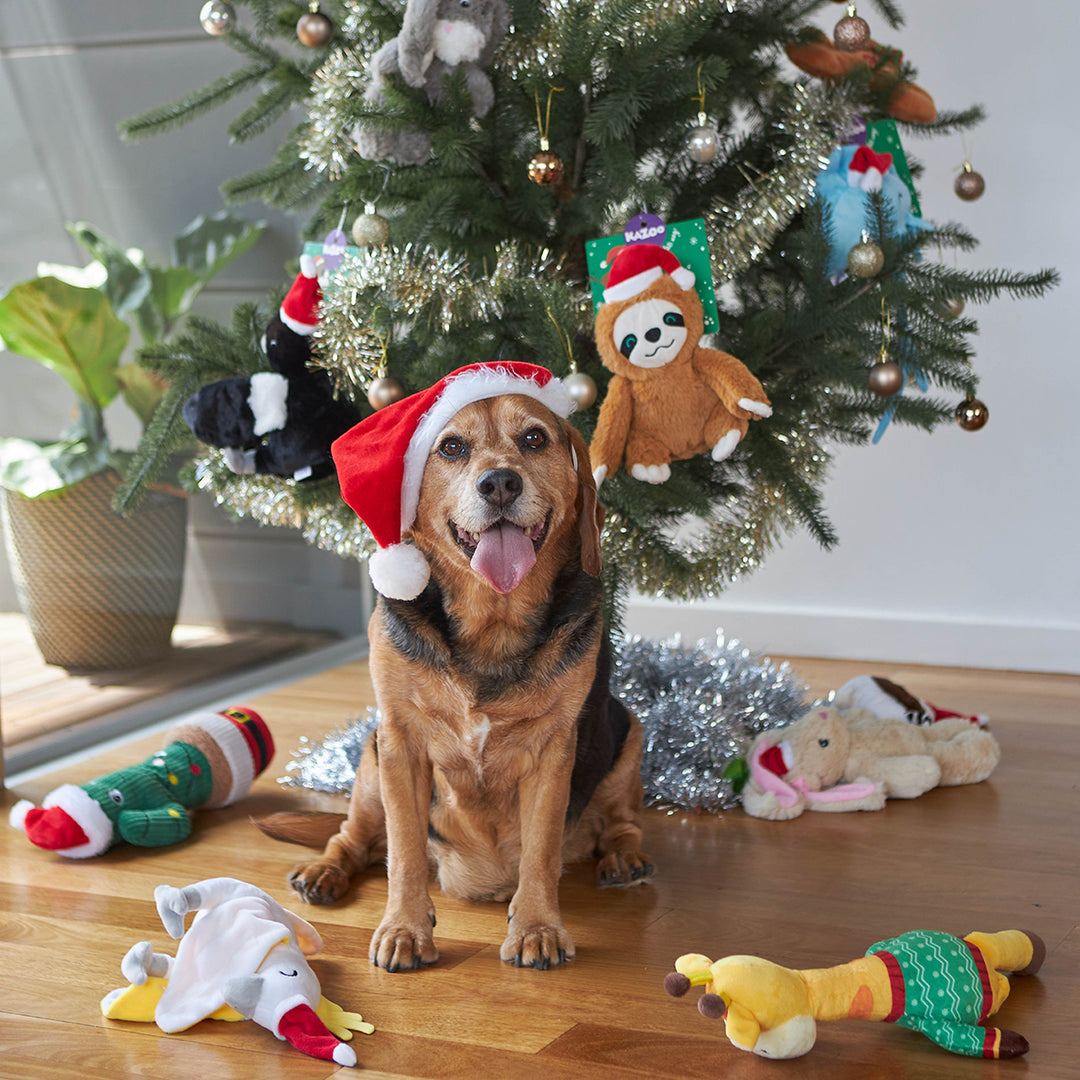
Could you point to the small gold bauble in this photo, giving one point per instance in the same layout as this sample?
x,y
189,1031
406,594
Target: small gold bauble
x,y
972,414
546,168
886,378
370,230
952,309
218,17
384,391
865,259
969,184
851,34
581,388
314,29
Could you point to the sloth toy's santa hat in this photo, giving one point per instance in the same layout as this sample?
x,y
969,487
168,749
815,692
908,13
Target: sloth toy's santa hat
x,y
380,462
300,308
635,267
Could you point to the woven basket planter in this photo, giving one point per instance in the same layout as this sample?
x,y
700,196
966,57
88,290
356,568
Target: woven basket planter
x,y
99,591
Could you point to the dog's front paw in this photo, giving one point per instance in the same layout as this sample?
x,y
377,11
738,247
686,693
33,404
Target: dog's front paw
x,y
402,943
536,944
618,870
319,882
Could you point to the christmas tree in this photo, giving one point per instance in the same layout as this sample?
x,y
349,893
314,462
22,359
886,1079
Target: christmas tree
x,y
477,169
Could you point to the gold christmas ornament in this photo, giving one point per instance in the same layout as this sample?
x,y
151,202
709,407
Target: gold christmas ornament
x,y
370,230
313,28
969,184
218,17
385,391
581,388
865,259
851,33
546,167
953,309
971,414
886,378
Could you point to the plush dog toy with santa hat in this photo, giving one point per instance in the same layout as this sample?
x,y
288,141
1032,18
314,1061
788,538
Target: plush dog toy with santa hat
x,y
670,398
279,422
243,957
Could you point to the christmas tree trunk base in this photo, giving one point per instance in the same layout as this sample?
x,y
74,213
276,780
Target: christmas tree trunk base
x,y
99,591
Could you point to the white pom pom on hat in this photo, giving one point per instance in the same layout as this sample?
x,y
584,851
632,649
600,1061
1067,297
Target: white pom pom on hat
x,y
380,462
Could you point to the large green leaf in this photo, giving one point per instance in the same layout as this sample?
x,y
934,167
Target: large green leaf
x,y
34,469
209,244
142,390
127,282
69,329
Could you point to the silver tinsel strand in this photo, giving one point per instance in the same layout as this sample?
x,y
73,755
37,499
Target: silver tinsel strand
x,y
700,707
741,232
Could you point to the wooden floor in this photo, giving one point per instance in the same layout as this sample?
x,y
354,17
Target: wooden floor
x,y
37,699
807,893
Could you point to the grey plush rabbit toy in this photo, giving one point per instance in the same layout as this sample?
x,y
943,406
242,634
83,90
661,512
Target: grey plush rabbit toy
x,y
437,37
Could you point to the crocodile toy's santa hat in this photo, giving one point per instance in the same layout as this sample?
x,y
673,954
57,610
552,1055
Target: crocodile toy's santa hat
x,y
890,701
380,462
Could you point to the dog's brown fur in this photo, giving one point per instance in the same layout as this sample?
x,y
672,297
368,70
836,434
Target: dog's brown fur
x,y
500,753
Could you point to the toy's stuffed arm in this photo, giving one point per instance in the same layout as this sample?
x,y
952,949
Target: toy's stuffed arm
x,y
612,429
731,381
173,904
416,42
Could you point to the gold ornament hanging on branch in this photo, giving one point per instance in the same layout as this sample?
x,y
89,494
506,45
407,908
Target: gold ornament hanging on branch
x,y
546,167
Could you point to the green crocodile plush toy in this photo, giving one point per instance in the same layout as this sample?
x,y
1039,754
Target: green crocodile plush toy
x,y
210,760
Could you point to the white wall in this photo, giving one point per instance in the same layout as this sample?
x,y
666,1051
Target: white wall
x,y
958,548
68,74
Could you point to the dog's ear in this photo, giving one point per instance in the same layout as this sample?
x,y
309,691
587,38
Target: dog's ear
x,y
591,515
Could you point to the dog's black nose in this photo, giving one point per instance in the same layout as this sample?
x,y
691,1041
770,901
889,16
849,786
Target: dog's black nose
x,y
500,487
652,334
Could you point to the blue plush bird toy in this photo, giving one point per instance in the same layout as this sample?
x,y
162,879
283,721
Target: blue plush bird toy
x,y
845,186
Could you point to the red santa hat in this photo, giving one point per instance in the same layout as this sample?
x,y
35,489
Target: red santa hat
x,y
868,168
300,308
634,267
302,1027
380,462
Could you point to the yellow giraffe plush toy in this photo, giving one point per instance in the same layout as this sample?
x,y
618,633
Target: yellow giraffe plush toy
x,y
926,980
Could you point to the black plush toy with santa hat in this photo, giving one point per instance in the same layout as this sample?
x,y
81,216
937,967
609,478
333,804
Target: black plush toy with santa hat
x,y
279,422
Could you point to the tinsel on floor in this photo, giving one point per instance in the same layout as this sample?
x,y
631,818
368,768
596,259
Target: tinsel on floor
x,y
700,706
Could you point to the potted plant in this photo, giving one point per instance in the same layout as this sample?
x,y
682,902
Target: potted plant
x,y
101,591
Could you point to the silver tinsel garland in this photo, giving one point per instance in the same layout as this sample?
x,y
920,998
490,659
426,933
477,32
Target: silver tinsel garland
x,y
700,707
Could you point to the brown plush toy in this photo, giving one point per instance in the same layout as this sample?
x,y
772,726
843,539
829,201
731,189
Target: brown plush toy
x,y
816,54
829,760
670,399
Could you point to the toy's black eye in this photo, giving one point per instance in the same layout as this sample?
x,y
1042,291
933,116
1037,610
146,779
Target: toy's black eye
x,y
627,346
673,318
464,3
116,797
453,447
290,974
535,439
823,742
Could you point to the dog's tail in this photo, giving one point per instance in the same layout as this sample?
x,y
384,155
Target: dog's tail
x,y
312,828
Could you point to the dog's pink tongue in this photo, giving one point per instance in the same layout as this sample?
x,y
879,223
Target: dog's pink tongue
x,y
504,555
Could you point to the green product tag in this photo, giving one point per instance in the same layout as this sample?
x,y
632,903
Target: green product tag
x,y
686,240
883,138
314,248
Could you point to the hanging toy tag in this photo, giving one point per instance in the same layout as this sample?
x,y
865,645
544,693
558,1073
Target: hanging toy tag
x,y
686,240
883,137
330,252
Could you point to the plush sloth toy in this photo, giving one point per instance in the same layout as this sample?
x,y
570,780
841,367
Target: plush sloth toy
x,y
279,422
670,398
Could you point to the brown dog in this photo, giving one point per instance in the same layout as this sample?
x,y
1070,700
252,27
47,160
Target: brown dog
x,y
500,753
